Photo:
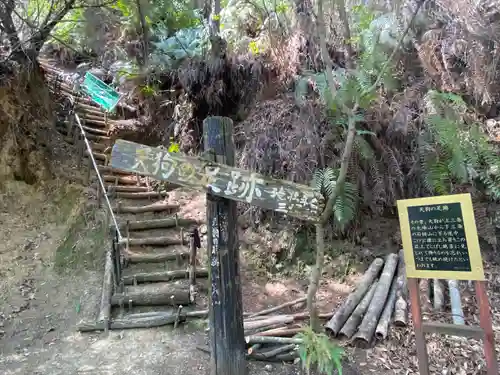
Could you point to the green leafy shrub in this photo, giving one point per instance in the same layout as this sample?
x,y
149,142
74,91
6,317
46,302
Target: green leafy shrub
x,y
186,43
318,352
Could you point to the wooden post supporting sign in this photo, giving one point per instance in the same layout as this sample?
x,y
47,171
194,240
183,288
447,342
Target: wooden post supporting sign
x,y
226,310
440,241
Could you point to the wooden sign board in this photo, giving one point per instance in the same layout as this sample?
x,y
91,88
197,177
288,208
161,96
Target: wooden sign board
x,y
296,200
440,238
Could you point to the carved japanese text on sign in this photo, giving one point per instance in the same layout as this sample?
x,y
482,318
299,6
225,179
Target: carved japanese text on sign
x,y
232,183
439,238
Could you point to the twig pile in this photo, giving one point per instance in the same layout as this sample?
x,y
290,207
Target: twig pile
x,y
272,338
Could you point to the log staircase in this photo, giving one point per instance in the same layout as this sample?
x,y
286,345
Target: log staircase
x,y
151,271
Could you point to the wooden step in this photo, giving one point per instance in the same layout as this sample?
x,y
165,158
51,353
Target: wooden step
x,y
99,138
157,223
155,207
152,241
140,257
121,180
97,123
151,277
108,169
153,295
92,130
139,195
100,147
97,155
128,188
87,108
90,116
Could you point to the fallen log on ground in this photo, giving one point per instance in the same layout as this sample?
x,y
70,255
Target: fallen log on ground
x,y
290,356
286,357
284,319
151,241
272,340
161,276
285,332
280,307
352,323
155,207
147,321
270,353
272,327
152,295
341,315
135,257
366,330
253,348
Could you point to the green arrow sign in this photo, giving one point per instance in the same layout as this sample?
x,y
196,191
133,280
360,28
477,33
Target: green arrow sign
x,y
100,93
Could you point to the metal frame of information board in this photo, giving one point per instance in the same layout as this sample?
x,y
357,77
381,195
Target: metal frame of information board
x,y
485,330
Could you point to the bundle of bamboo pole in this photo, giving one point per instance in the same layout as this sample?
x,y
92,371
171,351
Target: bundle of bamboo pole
x,y
368,310
382,296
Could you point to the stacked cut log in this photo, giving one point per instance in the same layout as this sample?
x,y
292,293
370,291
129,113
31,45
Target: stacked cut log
x,y
379,296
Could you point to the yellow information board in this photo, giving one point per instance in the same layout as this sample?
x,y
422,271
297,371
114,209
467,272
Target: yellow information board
x,y
440,238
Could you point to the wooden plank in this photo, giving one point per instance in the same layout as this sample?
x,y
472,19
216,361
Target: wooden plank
x,y
225,181
487,328
226,307
453,330
416,312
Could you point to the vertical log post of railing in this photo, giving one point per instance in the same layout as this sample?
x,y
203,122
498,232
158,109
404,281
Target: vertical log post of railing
x,y
226,312
194,244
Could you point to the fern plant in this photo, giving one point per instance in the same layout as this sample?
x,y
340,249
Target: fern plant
x,y
317,351
346,204
454,152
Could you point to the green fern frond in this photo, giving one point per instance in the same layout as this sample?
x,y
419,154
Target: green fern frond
x,y
363,148
346,205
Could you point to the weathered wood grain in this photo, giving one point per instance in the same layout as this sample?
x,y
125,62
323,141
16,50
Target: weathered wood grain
x,y
296,200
